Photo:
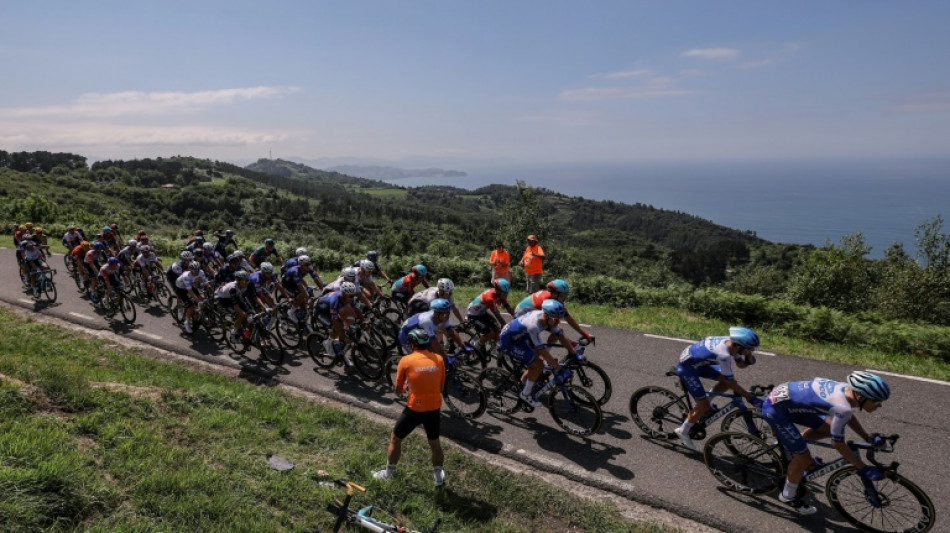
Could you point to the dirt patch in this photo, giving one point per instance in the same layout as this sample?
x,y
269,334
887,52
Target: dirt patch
x,y
150,393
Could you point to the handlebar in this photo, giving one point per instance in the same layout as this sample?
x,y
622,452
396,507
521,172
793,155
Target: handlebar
x,y
888,447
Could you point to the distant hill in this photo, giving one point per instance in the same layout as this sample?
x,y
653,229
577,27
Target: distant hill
x,y
377,172
289,169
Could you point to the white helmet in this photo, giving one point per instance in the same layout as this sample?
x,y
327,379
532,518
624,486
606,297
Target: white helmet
x,y
133,243
367,265
304,259
267,268
445,285
208,247
348,273
349,289
301,251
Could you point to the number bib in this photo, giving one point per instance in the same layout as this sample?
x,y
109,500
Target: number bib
x,y
779,394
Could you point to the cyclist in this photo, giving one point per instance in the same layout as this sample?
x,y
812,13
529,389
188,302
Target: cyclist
x,y
262,253
72,238
374,257
127,254
365,273
224,240
188,287
230,295
403,287
521,341
39,237
258,288
712,358
295,285
92,262
226,273
140,266
203,261
351,275
435,322
422,300
337,311
488,325
245,264
215,259
109,238
292,261
79,257
825,407
198,235
109,275
196,243
178,267
557,290
33,260
422,372
308,270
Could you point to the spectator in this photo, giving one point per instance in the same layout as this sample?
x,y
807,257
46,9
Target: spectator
x,y
500,263
532,262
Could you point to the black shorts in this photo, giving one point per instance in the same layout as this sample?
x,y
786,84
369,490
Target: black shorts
x,y
92,271
184,297
401,296
229,303
416,307
322,313
410,420
484,323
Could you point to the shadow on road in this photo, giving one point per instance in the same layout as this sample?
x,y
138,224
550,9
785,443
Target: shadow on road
x,y
817,523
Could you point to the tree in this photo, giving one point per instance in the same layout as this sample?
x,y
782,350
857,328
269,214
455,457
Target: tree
x,y
837,277
522,216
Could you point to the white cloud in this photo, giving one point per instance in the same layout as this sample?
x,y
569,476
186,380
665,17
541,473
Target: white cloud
x,y
625,74
102,134
712,53
137,103
592,94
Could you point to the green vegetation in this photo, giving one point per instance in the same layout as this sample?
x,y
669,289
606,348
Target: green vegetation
x,y
99,439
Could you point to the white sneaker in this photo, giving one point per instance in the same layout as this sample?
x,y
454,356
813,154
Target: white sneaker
x,y
385,473
684,437
439,476
187,325
798,505
528,399
328,346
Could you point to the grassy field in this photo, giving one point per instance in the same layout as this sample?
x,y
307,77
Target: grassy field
x,y
95,438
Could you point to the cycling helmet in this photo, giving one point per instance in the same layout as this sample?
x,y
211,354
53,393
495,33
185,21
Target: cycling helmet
x,y
440,305
304,260
208,247
39,231
231,258
194,268
29,225
301,251
145,249
106,229
869,385
133,243
113,261
553,308
98,245
241,275
198,241
744,337
421,270
268,242
445,285
141,232
85,245
559,285
501,285
199,233
349,273
419,337
267,268
367,265
239,254
229,233
199,252
372,256
186,256
349,289
114,226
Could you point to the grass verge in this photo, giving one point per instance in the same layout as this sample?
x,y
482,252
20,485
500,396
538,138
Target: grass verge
x,y
94,438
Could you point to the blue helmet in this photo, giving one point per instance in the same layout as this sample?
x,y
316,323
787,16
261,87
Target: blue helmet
x,y
98,245
106,229
869,385
744,337
113,261
440,305
421,270
553,308
502,285
559,285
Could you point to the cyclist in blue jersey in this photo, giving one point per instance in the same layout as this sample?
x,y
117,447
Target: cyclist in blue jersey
x,y
825,407
295,284
421,301
226,273
435,322
258,287
521,340
351,275
338,311
295,260
712,358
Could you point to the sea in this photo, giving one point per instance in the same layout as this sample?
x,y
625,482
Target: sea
x,y
786,201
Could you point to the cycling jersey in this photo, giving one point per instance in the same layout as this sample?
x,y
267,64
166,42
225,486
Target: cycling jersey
x,y
329,305
810,403
408,283
486,301
425,373
71,239
522,336
224,275
295,274
261,254
78,253
534,302
126,254
428,295
227,291
425,321
189,280
173,272
335,285
708,352
143,260
31,255
257,283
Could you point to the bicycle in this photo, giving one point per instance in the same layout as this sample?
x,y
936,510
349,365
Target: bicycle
x,y
69,261
573,409
746,463
44,284
362,517
255,332
657,411
462,392
115,301
356,353
588,374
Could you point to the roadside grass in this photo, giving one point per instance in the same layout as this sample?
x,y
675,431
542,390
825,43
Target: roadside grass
x,y
675,322
97,438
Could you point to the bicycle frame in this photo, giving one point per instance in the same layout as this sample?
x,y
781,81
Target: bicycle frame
x,y
362,518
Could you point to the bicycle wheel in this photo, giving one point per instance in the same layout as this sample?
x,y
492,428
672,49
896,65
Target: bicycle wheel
x,y
211,323
744,463
575,410
271,350
657,411
464,397
502,389
70,262
368,362
162,294
901,505
389,371
175,309
593,378
125,282
318,352
126,308
290,334
238,346
49,290
748,422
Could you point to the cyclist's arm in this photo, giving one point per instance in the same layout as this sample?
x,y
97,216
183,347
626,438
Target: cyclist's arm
x,y
736,388
458,314
549,359
577,327
498,316
858,428
848,454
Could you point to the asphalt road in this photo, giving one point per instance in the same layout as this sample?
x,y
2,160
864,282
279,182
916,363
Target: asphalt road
x,y
619,458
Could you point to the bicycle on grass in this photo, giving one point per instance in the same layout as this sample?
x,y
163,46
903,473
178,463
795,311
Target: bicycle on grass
x,y
746,463
362,517
658,411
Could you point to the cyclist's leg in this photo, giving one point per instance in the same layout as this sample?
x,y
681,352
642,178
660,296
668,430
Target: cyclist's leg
x,y
791,439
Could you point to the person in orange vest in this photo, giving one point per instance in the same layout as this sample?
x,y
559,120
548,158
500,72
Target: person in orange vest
x,y
500,263
532,262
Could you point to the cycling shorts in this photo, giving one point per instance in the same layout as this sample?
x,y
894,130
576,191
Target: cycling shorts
x,y
410,420
401,296
690,377
229,303
322,313
184,296
293,289
783,423
416,307
91,271
521,352
484,323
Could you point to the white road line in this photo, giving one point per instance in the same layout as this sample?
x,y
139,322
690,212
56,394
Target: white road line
x,y
80,315
24,300
149,335
667,338
916,378
584,325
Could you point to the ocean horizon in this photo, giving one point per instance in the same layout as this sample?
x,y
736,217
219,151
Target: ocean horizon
x,y
802,202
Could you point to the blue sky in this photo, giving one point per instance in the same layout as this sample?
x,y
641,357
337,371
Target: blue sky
x,y
485,81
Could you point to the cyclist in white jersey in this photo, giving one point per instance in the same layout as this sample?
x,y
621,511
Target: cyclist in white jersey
x,y
421,301
188,288
826,407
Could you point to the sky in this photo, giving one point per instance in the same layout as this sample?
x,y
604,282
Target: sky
x,y
487,81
